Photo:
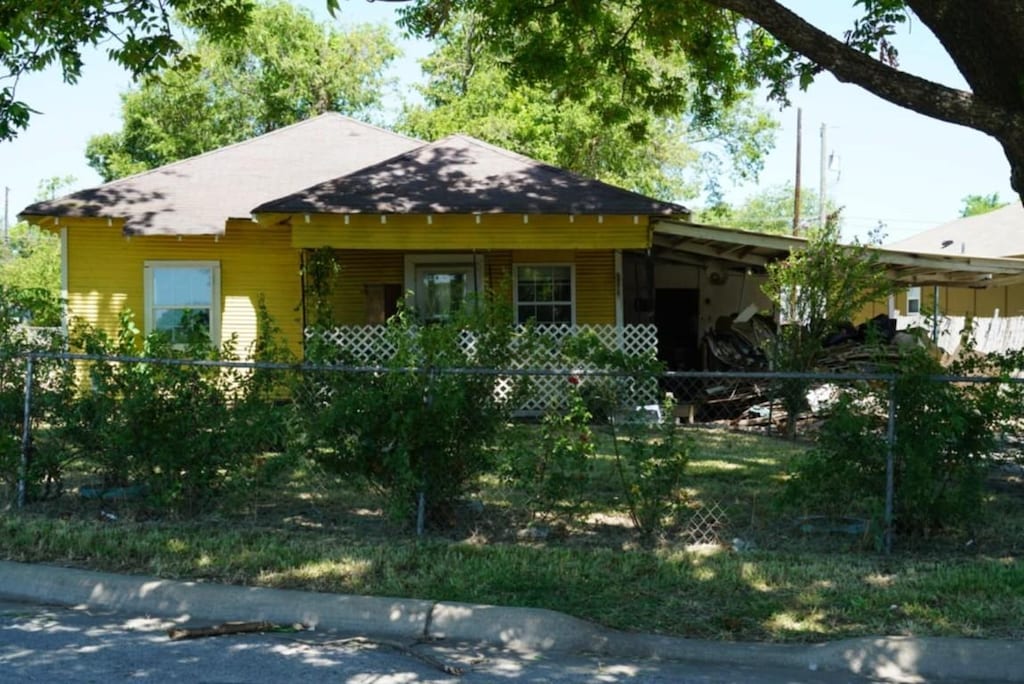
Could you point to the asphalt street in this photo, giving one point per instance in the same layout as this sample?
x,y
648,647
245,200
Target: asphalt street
x,y
58,644
73,625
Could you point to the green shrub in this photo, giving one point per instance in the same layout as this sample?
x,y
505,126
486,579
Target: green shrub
x,y
944,433
415,427
553,473
169,427
51,384
651,465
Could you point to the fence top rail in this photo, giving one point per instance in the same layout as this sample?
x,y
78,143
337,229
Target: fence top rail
x,y
561,372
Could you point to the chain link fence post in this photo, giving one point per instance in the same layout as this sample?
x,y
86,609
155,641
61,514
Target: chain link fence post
x,y
421,497
890,466
26,434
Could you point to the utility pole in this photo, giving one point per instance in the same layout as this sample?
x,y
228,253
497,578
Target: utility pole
x,y
7,201
796,189
823,195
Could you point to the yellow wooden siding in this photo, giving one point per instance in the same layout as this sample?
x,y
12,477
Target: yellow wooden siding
x,y
595,279
498,270
956,301
595,288
105,276
871,310
468,232
359,269
1015,300
987,300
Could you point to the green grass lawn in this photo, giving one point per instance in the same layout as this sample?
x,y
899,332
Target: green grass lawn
x,y
313,532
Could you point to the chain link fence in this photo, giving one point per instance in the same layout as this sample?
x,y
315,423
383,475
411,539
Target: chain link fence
x,y
874,459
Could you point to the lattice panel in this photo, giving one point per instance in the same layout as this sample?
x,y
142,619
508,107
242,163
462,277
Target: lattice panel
x,y
707,525
371,345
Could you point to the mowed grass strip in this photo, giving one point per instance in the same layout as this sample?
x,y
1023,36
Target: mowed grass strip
x,y
710,593
774,592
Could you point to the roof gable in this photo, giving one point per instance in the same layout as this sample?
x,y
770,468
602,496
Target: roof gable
x,y
196,196
463,175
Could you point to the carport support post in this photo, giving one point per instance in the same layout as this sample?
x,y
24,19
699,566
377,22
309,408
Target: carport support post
x,y
26,434
890,466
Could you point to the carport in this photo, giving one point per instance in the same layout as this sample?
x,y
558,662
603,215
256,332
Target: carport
x,y
694,274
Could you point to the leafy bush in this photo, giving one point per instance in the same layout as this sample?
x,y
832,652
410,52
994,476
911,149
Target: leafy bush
x,y
168,426
414,426
554,473
650,464
945,432
51,383
651,469
818,289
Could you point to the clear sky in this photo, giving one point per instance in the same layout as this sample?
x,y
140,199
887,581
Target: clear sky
x,y
894,166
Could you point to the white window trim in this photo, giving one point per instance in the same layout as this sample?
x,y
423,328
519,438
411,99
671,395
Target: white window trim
x,y
914,294
412,261
214,266
572,286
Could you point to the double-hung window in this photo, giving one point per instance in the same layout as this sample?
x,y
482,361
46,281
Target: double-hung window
x,y
913,301
181,296
544,293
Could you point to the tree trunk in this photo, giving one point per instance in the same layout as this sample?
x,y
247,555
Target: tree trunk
x,y
985,39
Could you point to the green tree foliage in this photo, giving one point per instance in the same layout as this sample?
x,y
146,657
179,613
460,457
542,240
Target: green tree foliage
x,y
30,261
818,289
138,34
282,68
980,204
730,45
600,131
821,287
769,210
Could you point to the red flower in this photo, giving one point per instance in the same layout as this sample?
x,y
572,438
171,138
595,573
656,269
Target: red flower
x,y
573,380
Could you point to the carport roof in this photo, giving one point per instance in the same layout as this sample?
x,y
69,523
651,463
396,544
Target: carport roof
x,y
686,242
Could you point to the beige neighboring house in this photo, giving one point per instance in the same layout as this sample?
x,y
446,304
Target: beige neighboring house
x,y
998,233
995,304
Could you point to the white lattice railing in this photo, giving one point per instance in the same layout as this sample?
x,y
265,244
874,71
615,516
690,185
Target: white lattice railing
x,y
370,345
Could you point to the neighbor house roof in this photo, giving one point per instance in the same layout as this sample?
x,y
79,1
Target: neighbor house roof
x,y
998,233
196,196
463,175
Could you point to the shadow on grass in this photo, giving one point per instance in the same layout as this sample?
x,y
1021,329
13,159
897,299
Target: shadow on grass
x,y
308,531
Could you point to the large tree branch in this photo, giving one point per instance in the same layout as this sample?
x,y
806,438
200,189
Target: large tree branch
x,y
852,66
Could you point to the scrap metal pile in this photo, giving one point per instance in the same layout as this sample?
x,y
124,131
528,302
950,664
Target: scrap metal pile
x,y
738,343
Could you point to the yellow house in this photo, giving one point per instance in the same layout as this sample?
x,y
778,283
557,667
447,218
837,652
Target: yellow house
x,y
218,233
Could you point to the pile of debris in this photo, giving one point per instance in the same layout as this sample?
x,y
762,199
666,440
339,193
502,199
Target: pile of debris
x,y
737,344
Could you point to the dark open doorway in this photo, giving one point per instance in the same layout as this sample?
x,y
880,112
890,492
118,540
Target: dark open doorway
x,y
677,315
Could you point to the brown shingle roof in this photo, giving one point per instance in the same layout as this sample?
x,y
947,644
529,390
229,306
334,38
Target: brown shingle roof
x,y
460,174
196,196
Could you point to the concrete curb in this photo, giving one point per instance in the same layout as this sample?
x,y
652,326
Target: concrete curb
x,y
520,629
